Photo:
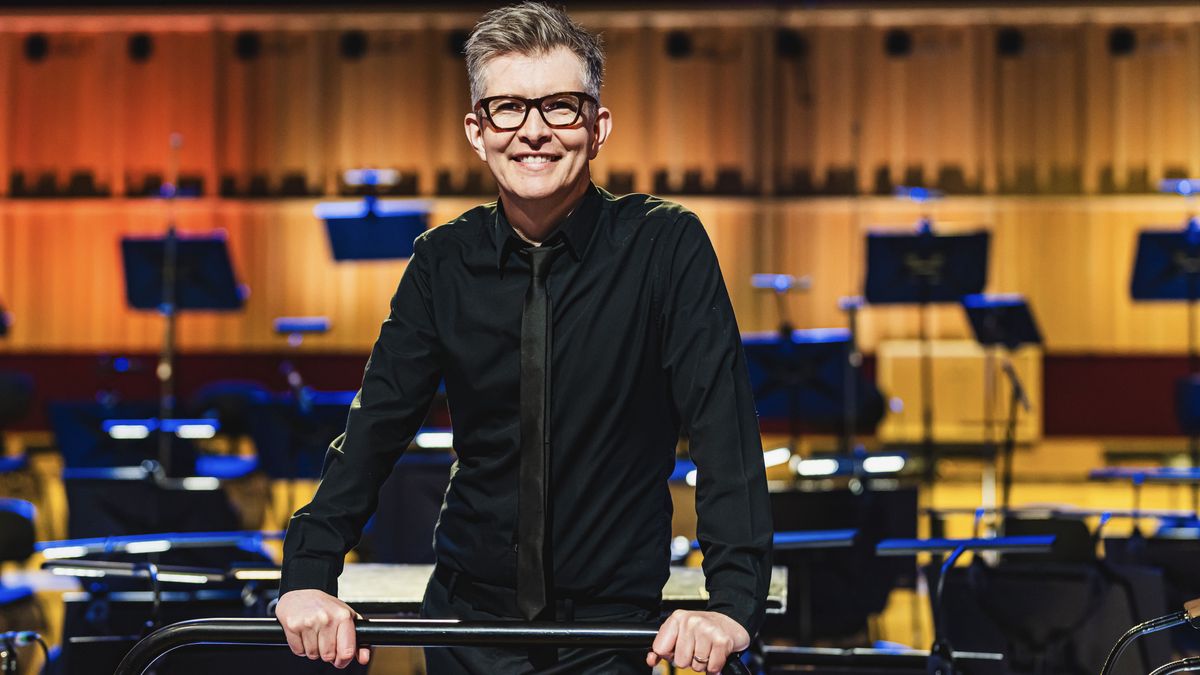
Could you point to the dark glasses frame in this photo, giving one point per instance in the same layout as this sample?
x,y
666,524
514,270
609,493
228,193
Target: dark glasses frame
x,y
531,103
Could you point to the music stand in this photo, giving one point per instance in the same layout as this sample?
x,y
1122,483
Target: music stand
x,y
372,229
204,278
1167,268
923,268
1003,320
173,273
802,379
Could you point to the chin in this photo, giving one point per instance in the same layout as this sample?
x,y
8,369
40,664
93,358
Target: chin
x,y
536,189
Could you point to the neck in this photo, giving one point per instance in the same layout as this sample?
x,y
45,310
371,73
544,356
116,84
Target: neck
x,y
536,219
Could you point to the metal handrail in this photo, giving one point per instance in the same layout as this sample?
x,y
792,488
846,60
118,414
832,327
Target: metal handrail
x,y
399,633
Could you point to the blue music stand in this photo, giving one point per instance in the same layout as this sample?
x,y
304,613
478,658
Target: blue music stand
x,y
204,278
1167,268
171,274
923,268
373,229
803,379
1003,321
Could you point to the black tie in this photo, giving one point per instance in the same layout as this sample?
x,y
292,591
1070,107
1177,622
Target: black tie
x,y
532,495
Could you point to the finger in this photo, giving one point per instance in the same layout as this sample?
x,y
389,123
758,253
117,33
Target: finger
x,y
294,641
327,641
664,642
344,643
651,659
721,649
309,637
701,652
716,660
685,644
364,655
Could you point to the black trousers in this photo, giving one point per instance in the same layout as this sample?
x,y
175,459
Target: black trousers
x,y
445,600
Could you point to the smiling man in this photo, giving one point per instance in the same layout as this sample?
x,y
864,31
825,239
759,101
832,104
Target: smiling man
x,y
577,334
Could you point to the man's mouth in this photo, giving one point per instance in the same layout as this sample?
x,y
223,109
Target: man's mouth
x,y
527,158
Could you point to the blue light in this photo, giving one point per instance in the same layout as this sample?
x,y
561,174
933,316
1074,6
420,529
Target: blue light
x,y
121,364
1180,186
988,300
918,194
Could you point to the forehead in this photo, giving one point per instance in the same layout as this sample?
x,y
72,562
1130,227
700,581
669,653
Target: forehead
x,y
533,75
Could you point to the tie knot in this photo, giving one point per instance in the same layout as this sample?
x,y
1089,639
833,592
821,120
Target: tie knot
x,y
540,259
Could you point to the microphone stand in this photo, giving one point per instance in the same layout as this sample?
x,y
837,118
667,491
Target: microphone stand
x,y
166,361
1018,398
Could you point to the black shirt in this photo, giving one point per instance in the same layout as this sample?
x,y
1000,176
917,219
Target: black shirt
x,y
644,345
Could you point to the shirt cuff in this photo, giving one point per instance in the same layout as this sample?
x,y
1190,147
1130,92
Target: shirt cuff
x,y
305,573
745,613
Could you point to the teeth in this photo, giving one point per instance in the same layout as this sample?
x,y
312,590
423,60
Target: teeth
x,y
534,159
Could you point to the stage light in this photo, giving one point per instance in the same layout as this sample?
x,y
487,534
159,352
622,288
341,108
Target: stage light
x,y
817,467
151,546
776,457
690,478
181,578
897,43
353,45
62,552
1121,41
247,45
141,47
679,44
883,464
435,439
1010,42
37,47
790,43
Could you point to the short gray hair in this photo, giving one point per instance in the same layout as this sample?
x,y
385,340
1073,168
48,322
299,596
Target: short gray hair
x,y
532,28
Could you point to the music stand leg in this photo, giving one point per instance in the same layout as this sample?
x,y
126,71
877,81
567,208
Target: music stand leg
x,y
926,393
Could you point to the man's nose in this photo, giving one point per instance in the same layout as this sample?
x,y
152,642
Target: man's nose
x,y
534,131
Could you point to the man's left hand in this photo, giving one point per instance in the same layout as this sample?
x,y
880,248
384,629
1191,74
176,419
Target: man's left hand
x,y
701,641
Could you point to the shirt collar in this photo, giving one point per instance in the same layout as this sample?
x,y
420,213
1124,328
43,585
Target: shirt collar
x,y
575,231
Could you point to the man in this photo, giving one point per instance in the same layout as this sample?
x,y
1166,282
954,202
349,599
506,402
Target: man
x,y
576,333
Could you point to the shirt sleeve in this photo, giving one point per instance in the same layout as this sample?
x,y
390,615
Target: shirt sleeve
x,y
398,386
702,352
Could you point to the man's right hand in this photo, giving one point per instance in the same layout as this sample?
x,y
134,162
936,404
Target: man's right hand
x,y
320,626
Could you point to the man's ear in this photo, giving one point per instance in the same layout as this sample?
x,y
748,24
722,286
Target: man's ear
x,y
601,128
474,128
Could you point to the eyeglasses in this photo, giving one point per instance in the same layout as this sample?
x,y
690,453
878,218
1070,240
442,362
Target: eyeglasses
x,y
560,110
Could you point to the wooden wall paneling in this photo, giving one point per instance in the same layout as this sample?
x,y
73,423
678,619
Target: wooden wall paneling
x,y
983,171
9,53
49,111
1014,114
172,91
452,95
677,140
737,117
1167,114
817,239
791,120
1054,115
831,129
1098,114
384,105
874,110
298,136
234,110
626,85
1189,93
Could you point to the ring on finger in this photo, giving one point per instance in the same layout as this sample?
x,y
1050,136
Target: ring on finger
x,y
697,659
